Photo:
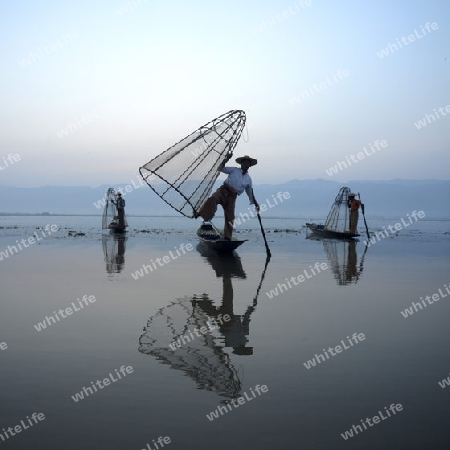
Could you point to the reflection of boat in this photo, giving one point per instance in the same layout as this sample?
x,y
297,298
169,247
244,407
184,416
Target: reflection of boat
x,y
225,266
110,219
343,259
114,252
228,265
337,224
211,237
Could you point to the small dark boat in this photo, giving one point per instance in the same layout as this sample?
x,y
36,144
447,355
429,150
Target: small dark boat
x,y
320,229
337,224
210,236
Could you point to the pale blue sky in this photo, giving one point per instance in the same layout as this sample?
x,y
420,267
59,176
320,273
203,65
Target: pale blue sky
x,y
154,74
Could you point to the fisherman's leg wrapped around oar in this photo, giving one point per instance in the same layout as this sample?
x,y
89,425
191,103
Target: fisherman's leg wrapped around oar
x,y
225,196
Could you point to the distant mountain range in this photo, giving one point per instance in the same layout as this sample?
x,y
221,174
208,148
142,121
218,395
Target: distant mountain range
x,y
308,199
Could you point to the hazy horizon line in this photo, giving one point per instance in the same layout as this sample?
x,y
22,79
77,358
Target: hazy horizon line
x,y
255,184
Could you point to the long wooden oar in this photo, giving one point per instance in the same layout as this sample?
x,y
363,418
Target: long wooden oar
x,y
364,216
262,229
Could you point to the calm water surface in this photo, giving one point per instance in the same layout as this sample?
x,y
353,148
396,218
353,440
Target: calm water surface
x,y
266,341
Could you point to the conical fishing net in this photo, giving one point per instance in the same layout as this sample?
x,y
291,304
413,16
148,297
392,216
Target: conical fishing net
x,y
339,217
110,217
184,175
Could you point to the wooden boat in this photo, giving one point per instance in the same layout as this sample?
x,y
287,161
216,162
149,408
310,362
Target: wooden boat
x,y
210,236
115,229
337,224
321,230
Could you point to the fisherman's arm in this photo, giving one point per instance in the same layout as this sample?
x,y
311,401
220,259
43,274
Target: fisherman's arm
x,y
251,197
225,160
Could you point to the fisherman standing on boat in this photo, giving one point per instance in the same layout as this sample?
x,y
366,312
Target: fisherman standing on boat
x,y
354,205
120,204
237,182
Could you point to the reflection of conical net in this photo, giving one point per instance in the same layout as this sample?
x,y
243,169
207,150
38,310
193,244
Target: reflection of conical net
x,y
114,252
184,175
343,260
201,358
110,217
338,217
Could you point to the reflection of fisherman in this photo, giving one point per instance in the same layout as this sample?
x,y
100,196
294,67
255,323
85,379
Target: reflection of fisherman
x,y
120,204
120,257
354,205
236,330
169,336
352,259
237,181
114,252
343,259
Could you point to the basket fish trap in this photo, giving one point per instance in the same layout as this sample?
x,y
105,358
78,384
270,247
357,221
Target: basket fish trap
x,y
184,175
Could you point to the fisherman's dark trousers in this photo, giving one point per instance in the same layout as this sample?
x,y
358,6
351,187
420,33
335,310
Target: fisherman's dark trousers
x,y
225,196
121,215
354,215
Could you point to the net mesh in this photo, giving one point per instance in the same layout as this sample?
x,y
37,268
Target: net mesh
x,y
343,259
114,252
199,357
339,216
184,175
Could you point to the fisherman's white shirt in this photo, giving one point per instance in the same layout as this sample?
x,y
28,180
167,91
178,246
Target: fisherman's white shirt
x,y
238,181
